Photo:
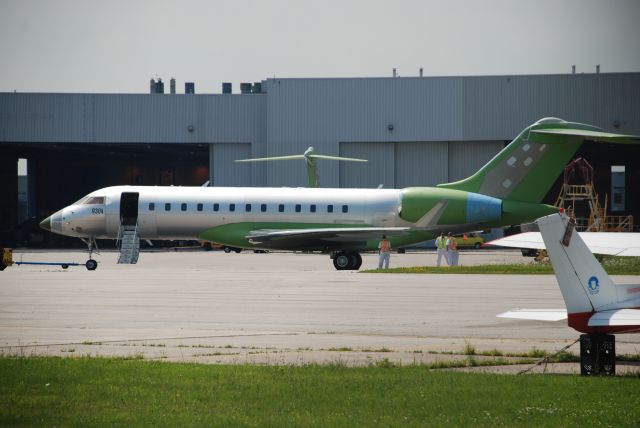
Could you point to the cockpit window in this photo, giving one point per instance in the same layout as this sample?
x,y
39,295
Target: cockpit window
x,y
80,201
93,200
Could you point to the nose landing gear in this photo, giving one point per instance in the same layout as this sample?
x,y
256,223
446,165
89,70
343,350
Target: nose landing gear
x,y
91,264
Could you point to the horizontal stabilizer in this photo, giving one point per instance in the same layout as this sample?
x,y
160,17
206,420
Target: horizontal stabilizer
x,y
535,314
298,157
610,243
338,158
585,134
617,317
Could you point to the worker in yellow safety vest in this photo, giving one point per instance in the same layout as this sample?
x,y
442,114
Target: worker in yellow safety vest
x,y
441,249
452,250
384,252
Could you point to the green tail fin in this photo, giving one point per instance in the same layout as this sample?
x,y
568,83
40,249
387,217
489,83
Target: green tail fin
x,y
526,169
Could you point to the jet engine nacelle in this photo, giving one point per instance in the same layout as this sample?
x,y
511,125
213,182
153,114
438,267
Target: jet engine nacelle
x,y
449,206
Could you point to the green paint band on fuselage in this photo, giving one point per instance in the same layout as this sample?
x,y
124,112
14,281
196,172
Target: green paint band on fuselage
x,y
417,201
235,235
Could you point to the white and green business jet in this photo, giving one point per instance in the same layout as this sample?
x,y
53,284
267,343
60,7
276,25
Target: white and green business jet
x,y
341,222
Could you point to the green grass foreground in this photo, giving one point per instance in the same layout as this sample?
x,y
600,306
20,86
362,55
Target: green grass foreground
x,y
612,265
100,391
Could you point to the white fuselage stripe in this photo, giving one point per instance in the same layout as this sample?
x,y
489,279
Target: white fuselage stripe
x,y
375,207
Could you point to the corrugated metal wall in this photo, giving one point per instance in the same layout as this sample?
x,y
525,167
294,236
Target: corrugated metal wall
x,y
310,110
499,107
466,157
420,164
378,170
334,116
413,164
131,118
226,172
325,112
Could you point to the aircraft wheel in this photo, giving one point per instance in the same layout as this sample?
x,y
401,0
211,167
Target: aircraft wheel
x,y
342,261
356,261
91,264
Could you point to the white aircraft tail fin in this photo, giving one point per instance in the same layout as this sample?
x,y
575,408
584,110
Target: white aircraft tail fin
x,y
584,284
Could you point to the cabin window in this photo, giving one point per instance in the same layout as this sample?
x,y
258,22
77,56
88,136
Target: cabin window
x,y
167,207
247,208
281,208
232,207
312,208
152,206
183,206
298,208
329,208
345,208
263,208
199,207
216,207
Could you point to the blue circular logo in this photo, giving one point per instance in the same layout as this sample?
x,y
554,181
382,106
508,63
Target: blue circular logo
x,y
593,285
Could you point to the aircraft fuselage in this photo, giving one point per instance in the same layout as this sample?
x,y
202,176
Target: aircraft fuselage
x,y
228,215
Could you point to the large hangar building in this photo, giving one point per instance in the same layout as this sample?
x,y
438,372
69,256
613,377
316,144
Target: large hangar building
x,y
415,131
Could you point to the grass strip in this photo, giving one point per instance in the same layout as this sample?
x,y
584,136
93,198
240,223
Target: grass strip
x,y
539,268
611,264
100,391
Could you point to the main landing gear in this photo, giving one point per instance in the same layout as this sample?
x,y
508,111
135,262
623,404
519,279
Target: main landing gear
x,y
346,260
91,264
597,354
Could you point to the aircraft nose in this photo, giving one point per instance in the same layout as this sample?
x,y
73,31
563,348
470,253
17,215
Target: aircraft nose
x,y
46,224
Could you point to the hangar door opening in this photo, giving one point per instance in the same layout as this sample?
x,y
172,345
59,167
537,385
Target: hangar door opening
x,y
378,170
421,164
467,157
394,165
223,170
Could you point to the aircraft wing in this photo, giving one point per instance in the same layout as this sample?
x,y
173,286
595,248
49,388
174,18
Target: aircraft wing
x,y
610,243
338,158
585,134
616,317
535,314
322,236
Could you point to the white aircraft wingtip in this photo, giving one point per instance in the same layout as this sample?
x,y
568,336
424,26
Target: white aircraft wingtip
x,y
535,314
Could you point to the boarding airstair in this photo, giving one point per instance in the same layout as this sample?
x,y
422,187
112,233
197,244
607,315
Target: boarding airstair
x,y
128,238
129,244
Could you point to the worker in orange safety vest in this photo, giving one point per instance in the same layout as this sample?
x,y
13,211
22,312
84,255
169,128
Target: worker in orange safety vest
x,y
452,250
384,252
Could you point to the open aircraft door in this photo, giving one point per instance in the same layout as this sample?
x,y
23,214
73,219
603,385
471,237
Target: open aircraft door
x,y
129,208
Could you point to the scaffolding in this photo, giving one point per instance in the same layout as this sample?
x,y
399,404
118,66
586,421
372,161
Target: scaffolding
x,y
574,197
